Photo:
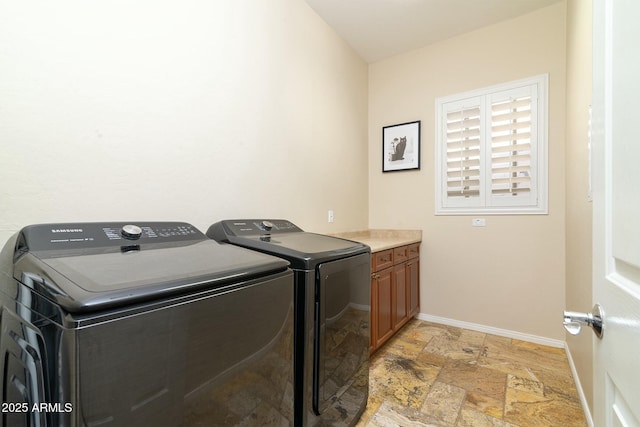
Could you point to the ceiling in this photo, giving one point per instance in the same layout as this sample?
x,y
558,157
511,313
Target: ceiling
x,y
378,29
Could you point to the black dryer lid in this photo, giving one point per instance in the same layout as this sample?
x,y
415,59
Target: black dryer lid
x,y
303,250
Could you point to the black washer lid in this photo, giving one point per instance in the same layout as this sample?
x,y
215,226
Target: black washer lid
x,y
303,250
92,266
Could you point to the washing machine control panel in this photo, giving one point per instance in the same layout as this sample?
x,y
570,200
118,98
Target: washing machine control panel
x,y
95,235
161,231
253,227
131,232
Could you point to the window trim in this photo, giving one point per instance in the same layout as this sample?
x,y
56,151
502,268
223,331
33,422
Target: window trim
x,y
540,158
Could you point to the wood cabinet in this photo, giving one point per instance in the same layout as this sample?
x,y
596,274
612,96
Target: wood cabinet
x,y
395,291
381,298
413,285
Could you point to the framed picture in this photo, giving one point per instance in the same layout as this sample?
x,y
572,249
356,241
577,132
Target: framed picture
x,y
401,147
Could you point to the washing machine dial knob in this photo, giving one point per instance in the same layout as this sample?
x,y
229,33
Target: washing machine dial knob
x,y
267,225
131,232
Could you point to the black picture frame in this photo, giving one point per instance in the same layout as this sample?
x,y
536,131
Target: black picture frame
x,y
401,147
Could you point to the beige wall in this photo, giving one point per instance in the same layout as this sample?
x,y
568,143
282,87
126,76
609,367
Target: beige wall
x,y
579,215
237,108
193,110
511,273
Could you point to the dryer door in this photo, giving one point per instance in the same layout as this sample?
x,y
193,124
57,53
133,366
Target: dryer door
x,y
341,337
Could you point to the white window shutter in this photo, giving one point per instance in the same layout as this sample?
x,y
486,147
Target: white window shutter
x,y
491,146
512,148
463,126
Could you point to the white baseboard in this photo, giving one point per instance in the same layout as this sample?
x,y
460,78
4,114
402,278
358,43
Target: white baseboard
x,y
491,330
576,378
523,337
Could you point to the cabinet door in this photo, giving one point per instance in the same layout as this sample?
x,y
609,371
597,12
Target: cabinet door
x,y
373,325
413,251
384,298
413,286
401,294
400,254
382,260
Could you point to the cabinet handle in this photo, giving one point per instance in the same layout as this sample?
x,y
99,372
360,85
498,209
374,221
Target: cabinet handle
x,y
409,263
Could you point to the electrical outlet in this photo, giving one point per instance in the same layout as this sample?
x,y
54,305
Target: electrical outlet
x,y
479,222
330,215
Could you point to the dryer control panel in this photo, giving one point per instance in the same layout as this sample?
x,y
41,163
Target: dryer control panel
x,y
258,227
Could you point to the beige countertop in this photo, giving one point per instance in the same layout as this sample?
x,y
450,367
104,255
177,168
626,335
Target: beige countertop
x,y
380,240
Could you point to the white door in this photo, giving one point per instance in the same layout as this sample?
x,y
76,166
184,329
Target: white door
x,y
616,183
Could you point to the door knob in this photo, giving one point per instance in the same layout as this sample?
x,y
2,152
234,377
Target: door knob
x,y
573,321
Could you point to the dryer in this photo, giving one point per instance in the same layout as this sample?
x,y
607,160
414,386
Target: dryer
x,y
145,324
332,312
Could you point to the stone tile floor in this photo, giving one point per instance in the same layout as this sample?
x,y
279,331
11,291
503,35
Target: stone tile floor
x,y
437,375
